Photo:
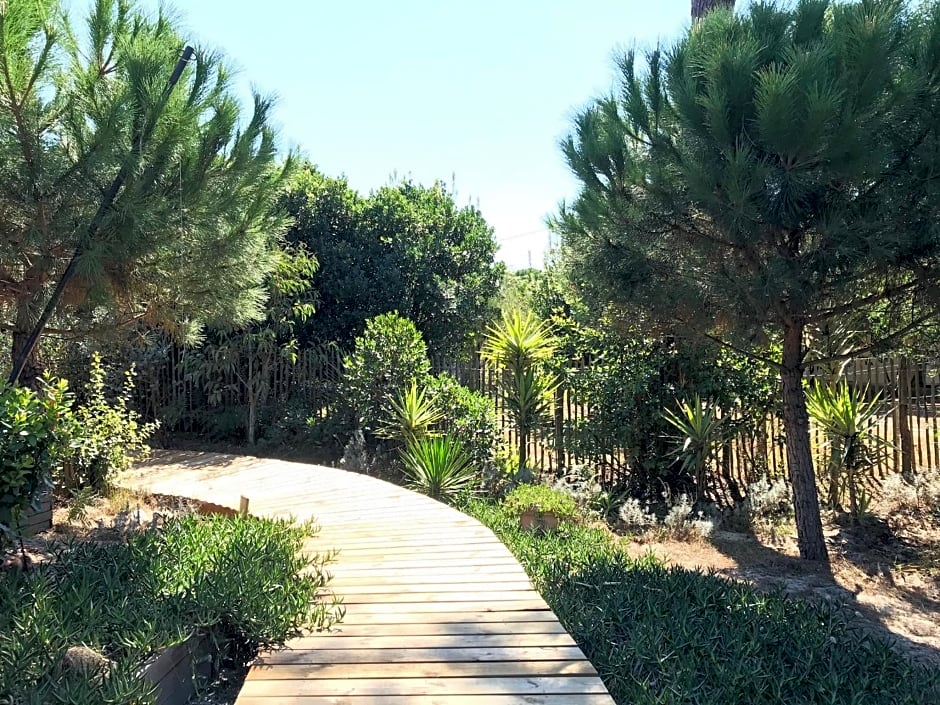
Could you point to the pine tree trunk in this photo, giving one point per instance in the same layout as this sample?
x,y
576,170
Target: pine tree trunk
x,y
701,7
22,328
809,529
904,419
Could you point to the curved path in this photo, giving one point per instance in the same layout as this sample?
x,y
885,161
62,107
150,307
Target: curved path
x,y
437,609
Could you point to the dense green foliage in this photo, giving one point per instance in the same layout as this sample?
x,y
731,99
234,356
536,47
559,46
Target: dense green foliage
x,y
669,636
468,416
540,498
405,248
35,433
191,233
626,371
386,359
243,358
107,435
234,580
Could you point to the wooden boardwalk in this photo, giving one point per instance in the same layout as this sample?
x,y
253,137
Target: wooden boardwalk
x,y
437,609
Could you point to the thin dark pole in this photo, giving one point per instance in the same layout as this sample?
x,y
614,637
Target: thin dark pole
x,y
107,202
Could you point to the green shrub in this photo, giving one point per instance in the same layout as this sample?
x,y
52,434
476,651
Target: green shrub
x,y
109,437
236,580
468,416
35,431
438,466
541,498
387,358
412,413
669,636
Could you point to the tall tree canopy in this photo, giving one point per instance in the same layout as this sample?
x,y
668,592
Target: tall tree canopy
x,y
701,7
405,248
189,238
772,173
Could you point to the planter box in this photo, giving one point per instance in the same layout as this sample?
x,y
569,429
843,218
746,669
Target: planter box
x,y
178,670
33,521
534,520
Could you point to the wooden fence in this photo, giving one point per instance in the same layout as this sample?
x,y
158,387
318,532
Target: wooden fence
x,y
908,393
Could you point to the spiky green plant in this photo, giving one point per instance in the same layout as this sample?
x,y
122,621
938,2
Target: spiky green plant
x,y
701,431
847,418
437,466
519,348
413,413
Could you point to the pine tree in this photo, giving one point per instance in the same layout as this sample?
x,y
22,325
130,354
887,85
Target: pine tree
x,y
772,174
189,238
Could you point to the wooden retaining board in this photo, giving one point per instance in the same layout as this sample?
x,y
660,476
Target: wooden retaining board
x,y
32,521
438,612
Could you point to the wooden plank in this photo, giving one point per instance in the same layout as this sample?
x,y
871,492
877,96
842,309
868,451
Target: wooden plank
x,y
391,598
430,641
423,686
489,669
442,628
502,699
358,616
453,608
421,577
416,655
376,587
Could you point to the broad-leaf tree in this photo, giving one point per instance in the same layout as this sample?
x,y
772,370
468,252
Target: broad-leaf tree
x,y
772,173
243,359
405,248
188,238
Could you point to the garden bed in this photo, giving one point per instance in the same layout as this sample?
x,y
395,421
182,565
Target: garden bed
x,y
109,587
665,634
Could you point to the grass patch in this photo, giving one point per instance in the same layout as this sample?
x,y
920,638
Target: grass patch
x,y
243,582
669,636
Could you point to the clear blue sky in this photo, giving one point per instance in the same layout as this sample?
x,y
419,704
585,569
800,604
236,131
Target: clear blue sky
x,y
475,93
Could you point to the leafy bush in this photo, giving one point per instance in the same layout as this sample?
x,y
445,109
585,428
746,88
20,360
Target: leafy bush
x,y
387,358
540,498
468,416
628,382
109,437
438,466
235,580
35,431
669,636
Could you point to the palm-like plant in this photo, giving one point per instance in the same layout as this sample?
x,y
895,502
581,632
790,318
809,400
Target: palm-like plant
x,y
519,348
700,432
437,466
414,412
847,419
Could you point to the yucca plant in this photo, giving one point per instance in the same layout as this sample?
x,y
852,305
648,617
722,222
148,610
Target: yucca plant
x,y
413,414
519,348
437,466
701,431
847,419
